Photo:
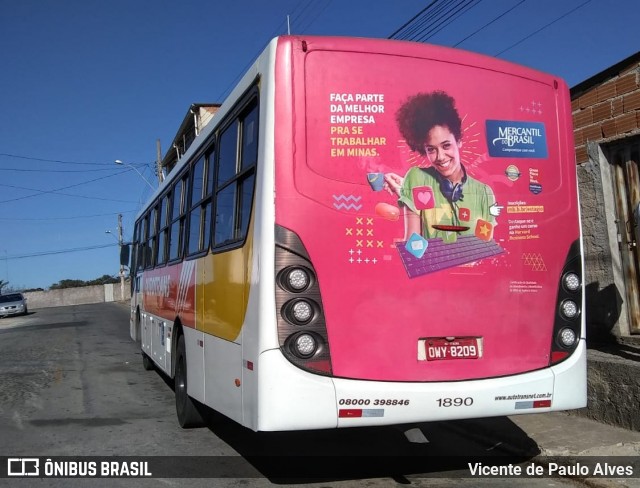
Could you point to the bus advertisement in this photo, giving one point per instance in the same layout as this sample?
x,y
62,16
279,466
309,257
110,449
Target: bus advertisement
x,y
369,232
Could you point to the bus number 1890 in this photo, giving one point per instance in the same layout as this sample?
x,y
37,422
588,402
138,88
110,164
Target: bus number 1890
x,y
455,402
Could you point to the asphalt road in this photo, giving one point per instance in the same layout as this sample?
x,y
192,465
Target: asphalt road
x,y
72,384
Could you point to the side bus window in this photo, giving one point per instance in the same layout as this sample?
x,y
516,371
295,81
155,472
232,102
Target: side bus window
x,y
143,241
238,154
228,151
197,209
207,203
163,229
176,239
151,240
135,249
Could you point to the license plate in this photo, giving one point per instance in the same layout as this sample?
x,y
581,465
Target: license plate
x,y
440,348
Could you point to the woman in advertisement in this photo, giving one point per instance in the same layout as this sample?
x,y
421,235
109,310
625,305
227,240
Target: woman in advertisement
x,y
441,200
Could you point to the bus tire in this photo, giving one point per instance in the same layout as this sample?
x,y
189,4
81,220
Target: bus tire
x,y
186,409
147,362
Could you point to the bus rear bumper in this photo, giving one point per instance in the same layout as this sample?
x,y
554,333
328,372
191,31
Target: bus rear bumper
x,y
294,399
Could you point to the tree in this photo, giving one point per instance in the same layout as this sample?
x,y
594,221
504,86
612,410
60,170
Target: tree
x,y
103,280
68,284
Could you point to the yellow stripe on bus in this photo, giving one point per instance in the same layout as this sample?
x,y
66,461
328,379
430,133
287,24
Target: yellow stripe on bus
x,y
222,291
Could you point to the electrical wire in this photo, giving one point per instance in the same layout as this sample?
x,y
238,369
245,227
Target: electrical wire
x,y
429,22
489,23
419,28
57,191
462,8
61,251
392,36
542,28
225,93
17,156
315,16
428,19
25,170
76,217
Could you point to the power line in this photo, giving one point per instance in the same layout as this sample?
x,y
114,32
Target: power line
x,y
58,192
428,19
303,12
25,170
542,28
77,217
462,8
61,251
435,17
315,16
55,192
489,23
420,29
392,36
223,95
17,156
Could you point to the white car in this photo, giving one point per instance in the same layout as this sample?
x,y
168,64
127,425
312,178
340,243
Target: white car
x,y
13,304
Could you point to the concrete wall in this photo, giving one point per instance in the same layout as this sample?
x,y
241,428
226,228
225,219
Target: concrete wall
x,y
78,296
613,389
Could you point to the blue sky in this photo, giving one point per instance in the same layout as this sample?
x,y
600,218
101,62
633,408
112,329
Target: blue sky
x,y
86,82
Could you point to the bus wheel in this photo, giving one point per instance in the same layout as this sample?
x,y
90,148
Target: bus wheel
x,y
147,363
188,414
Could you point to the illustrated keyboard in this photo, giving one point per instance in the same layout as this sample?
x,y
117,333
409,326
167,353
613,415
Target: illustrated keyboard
x,y
440,255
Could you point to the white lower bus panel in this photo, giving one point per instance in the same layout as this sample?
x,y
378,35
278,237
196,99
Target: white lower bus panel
x,y
292,399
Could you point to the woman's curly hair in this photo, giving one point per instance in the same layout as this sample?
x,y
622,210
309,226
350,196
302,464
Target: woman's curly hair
x,y
421,112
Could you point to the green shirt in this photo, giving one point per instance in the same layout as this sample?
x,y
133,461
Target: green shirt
x,y
474,205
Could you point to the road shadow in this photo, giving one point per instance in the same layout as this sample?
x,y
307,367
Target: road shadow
x,y
362,453
603,309
446,449
13,316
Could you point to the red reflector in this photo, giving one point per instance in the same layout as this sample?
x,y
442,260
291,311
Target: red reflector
x,y
541,403
324,366
350,412
557,356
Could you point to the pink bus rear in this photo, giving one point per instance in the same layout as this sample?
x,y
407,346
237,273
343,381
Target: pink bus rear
x,y
491,284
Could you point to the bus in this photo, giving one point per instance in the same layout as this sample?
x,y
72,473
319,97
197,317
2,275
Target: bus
x,y
368,232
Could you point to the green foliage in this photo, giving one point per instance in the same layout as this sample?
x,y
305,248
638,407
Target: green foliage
x,y
103,280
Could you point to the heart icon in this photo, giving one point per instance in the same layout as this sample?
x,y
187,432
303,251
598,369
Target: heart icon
x,y
423,197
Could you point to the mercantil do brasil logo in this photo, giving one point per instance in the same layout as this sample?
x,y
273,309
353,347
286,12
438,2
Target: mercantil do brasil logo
x,y
514,139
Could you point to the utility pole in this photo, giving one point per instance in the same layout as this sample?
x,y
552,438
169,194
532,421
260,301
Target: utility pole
x,y
120,249
159,162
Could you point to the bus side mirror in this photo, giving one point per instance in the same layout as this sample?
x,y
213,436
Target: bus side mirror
x,y
124,255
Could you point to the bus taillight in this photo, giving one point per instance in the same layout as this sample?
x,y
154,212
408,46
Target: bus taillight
x,y
568,320
302,331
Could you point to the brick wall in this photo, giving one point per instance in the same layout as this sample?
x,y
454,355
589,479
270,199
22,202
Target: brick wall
x,y
608,110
